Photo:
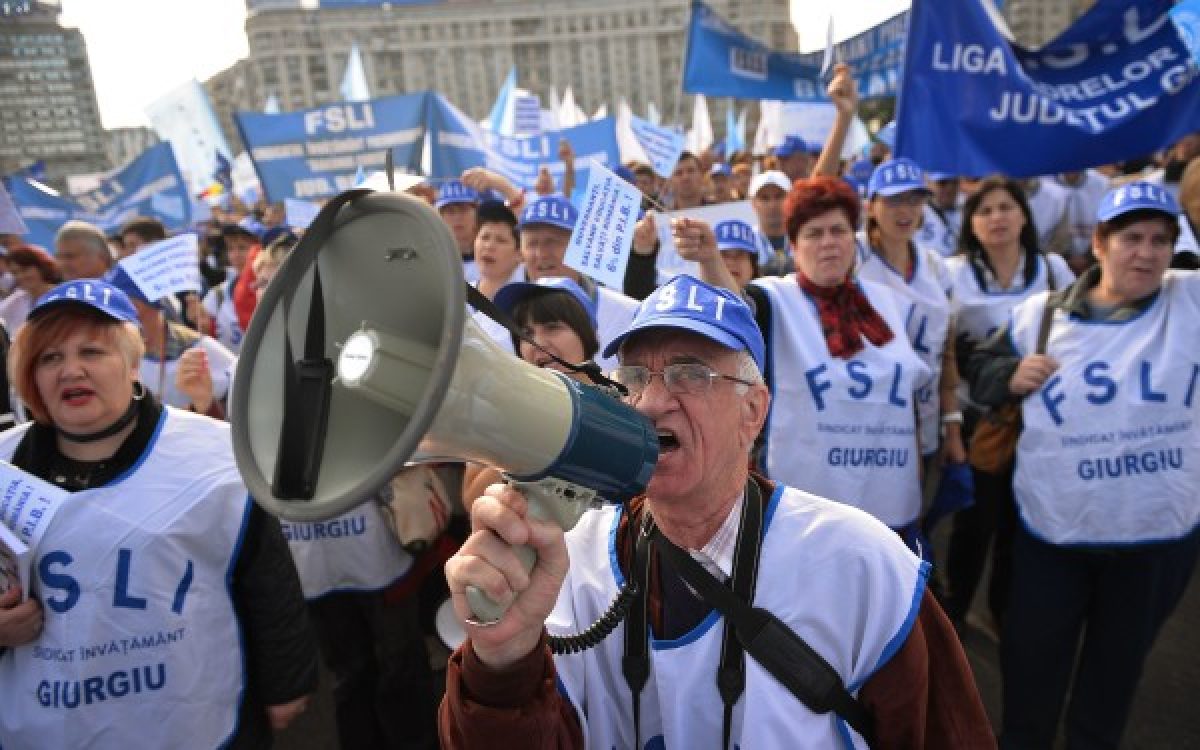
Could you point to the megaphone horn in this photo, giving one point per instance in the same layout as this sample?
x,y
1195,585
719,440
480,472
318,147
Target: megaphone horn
x,y
379,275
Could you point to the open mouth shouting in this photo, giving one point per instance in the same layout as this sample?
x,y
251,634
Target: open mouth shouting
x,y
77,395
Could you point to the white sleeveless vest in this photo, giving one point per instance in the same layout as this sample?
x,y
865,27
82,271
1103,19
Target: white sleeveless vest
x,y
926,319
351,552
935,235
841,581
140,646
1110,450
843,429
218,303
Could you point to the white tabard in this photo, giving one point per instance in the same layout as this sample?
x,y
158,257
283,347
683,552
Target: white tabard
x,y
352,552
1110,450
140,646
926,319
843,429
841,581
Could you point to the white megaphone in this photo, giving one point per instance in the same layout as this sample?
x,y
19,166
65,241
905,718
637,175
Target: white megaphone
x,y
361,359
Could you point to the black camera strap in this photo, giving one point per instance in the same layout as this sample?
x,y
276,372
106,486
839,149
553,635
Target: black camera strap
x,y
775,646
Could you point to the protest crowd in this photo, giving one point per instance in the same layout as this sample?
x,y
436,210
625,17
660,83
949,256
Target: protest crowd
x,y
852,346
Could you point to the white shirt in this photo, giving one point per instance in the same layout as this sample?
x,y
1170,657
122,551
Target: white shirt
x,y
1048,202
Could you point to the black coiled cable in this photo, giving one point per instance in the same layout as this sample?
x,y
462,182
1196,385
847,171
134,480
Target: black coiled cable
x,y
601,628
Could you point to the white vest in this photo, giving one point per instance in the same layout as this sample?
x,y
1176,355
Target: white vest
x,y
614,314
926,319
841,581
218,303
352,552
938,236
1110,450
843,429
1188,242
140,647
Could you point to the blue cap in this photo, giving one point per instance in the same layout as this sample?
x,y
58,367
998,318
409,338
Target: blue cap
x,y
688,304
940,176
253,226
733,234
792,144
896,176
1137,196
721,169
511,295
455,192
93,293
550,210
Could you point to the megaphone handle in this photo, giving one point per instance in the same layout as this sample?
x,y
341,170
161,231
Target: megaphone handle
x,y
548,500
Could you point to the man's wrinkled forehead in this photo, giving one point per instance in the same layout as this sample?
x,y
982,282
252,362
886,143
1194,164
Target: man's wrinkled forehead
x,y
671,345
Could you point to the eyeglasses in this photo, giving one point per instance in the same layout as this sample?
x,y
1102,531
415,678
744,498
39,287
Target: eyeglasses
x,y
687,378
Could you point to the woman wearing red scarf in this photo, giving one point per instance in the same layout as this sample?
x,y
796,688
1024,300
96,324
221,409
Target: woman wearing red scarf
x,y
842,373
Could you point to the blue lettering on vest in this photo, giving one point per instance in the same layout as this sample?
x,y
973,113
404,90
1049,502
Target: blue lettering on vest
x,y
1052,400
817,387
181,591
121,597
1094,375
1191,391
1149,394
63,582
919,339
858,373
894,397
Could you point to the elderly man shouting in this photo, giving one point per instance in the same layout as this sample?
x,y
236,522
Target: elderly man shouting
x,y
837,578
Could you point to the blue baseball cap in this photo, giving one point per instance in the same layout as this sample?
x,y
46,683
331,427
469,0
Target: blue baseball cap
x,y
93,293
688,304
455,192
550,210
721,169
733,234
896,176
792,144
1137,196
511,295
940,176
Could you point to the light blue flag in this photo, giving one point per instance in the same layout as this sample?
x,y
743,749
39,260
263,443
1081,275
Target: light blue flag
x,y
1186,16
875,57
354,82
1117,84
735,138
662,145
495,119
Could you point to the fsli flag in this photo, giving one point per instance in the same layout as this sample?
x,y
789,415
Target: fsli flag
x,y
722,61
315,153
1117,84
458,143
150,185
603,235
662,145
875,57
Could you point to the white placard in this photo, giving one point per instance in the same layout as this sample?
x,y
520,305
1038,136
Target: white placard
x,y
165,267
300,213
662,145
669,262
603,234
27,507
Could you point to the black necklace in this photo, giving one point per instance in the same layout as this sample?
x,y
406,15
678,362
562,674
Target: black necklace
x,y
122,422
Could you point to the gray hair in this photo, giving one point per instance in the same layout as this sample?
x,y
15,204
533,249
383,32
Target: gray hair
x,y
88,234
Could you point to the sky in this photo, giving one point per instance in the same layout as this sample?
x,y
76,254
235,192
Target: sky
x,y
142,49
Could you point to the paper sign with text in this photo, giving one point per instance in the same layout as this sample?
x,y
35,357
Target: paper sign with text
x,y
165,267
300,213
603,235
669,262
27,507
662,145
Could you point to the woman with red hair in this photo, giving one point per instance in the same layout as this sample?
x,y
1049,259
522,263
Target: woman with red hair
x,y
842,372
35,272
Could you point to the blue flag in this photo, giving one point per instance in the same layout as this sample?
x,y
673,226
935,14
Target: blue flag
x,y
315,153
459,143
1116,85
223,174
1186,17
875,57
722,61
150,185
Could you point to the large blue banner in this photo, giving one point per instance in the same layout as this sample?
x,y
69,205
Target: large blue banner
x,y
1116,85
315,153
150,185
722,61
458,143
876,57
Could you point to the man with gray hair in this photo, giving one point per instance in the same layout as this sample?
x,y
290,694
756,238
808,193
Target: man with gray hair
x,y
82,251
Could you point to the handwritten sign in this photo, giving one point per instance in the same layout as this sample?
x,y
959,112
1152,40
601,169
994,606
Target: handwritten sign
x,y
603,235
662,145
27,506
165,267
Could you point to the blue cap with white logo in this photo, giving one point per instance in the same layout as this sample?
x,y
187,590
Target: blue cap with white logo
x,y
106,298
511,295
1137,196
688,304
733,234
896,176
455,192
792,144
721,169
550,210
